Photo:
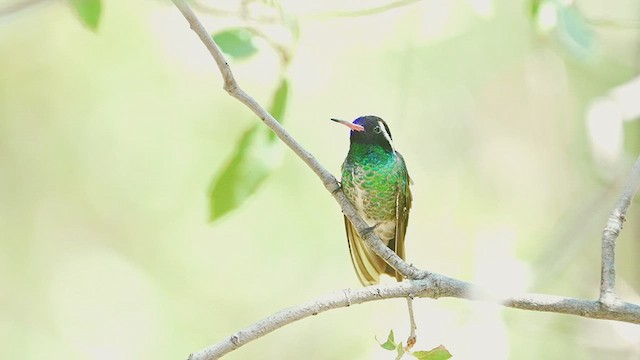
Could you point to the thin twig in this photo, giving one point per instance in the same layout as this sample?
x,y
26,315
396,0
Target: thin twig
x,y
206,8
621,24
361,12
19,6
610,234
283,51
411,340
613,23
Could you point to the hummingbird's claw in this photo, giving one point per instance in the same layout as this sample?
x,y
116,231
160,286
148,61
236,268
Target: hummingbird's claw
x,y
337,188
369,230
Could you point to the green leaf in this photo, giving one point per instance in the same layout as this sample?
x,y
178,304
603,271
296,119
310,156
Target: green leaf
x,y
400,351
237,43
279,102
390,343
89,11
255,157
574,32
438,353
534,7
253,160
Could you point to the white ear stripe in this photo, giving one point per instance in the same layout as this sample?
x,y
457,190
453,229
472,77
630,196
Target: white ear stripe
x,y
386,135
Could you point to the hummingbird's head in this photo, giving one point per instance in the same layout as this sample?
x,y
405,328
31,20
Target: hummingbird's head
x,y
370,130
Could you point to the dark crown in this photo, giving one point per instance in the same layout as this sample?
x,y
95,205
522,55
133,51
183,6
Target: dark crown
x,y
376,132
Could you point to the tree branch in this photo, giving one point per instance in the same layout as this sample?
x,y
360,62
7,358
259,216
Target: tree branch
x,y
19,6
424,283
610,234
439,286
362,12
329,181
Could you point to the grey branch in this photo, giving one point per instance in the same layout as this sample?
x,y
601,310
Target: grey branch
x,y
435,286
610,234
19,6
423,283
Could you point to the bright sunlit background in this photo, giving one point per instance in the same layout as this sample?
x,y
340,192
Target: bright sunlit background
x,y
516,119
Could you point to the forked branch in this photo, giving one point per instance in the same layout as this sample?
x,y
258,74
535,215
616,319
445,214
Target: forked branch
x,y
610,234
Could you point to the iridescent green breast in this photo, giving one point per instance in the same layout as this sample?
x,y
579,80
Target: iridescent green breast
x,y
371,179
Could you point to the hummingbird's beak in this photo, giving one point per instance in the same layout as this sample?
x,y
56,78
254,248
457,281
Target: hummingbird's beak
x,y
352,126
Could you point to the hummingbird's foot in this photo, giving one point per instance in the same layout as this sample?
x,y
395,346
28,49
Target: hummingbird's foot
x,y
337,187
367,231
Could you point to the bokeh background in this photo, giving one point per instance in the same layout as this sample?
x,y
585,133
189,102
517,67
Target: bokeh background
x,y
516,119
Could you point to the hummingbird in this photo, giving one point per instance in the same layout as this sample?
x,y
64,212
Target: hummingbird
x,y
376,181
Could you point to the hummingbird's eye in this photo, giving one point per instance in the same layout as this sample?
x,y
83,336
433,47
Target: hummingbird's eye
x,y
377,129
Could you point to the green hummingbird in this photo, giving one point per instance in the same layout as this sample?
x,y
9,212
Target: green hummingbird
x,y
376,181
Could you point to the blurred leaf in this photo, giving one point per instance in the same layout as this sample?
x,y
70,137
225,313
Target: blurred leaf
x,y
253,160
439,353
89,11
294,27
237,43
574,31
534,7
390,343
399,350
279,102
255,157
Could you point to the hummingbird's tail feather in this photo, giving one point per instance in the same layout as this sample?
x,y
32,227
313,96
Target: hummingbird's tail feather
x,y
398,248
403,204
367,264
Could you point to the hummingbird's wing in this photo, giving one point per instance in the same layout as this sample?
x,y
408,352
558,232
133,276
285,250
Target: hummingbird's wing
x,y
367,264
403,205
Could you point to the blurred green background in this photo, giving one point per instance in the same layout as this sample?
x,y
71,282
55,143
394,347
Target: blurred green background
x,y
109,141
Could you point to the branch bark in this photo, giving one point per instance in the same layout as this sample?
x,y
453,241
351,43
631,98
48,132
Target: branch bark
x,y
423,283
610,235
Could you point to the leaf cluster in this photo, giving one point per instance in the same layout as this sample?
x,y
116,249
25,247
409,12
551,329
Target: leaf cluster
x,y
437,353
